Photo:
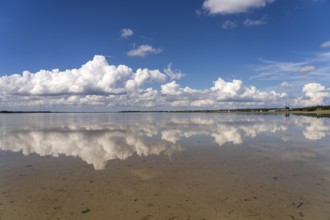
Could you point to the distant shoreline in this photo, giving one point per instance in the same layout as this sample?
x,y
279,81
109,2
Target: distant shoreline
x,y
18,112
314,110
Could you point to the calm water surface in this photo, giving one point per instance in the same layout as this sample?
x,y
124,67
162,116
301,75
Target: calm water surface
x,y
164,166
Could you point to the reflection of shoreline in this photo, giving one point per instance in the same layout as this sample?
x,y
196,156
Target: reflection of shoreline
x,y
99,140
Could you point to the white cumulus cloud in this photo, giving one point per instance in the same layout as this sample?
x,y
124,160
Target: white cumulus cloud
x,y
100,85
222,94
142,76
325,44
286,85
173,74
95,83
143,50
229,24
316,92
126,32
233,6
236,91
95,77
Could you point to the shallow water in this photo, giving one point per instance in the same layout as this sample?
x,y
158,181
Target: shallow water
x,y
164,166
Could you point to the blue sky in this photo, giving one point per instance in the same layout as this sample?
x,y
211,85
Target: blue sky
x,y
195,54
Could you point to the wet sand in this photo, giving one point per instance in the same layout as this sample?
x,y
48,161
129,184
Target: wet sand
x,y
217,183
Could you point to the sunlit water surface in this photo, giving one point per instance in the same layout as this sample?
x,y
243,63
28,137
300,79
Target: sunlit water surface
x,y
164,166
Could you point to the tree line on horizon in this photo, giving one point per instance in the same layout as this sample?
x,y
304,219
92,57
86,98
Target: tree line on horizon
x,y
302,109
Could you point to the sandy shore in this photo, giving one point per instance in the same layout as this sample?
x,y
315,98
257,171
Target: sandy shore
x,y
216,183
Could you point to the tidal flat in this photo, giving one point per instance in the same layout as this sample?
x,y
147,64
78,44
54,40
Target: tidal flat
x,y
168,166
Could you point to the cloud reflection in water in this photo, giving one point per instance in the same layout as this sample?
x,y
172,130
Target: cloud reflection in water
x,y
104,137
